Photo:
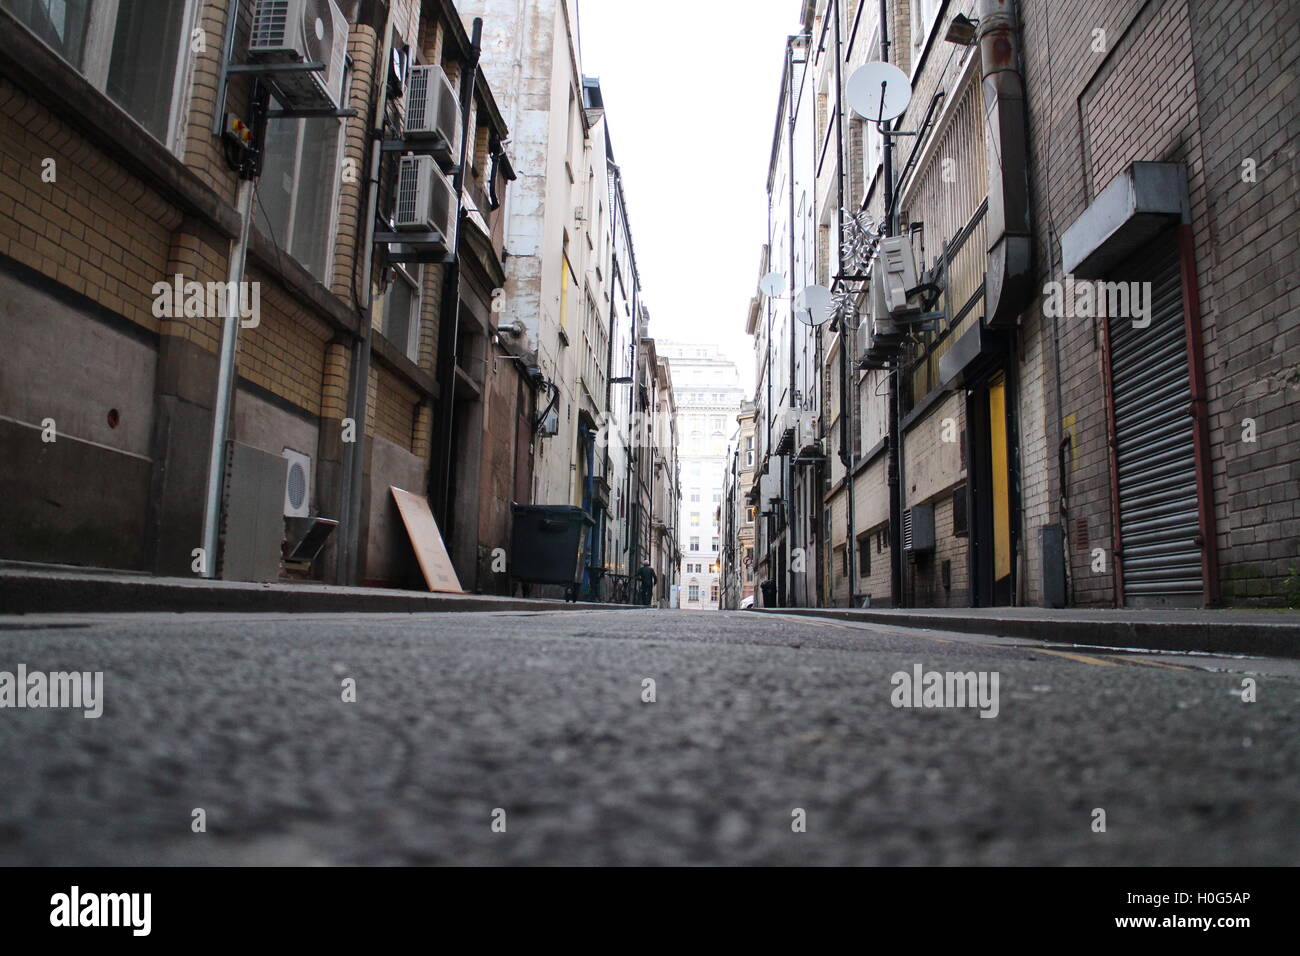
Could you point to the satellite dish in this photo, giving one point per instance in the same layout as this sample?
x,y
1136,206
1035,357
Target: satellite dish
x,y
814,305
772,284
878,91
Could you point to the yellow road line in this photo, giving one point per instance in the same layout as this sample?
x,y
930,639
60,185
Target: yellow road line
x,y
1081,658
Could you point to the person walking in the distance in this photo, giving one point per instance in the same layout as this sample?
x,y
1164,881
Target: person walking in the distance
x,y
645,579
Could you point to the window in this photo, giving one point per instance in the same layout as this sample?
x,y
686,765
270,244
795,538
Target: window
x,y
399,311
693,593
135,51
715,545
566,280
298,189
695,495
695,544
695,519
713,594
864,556
749,515
596,345
923,17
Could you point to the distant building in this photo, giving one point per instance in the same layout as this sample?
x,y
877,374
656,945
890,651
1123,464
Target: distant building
x,y
707,387
739,514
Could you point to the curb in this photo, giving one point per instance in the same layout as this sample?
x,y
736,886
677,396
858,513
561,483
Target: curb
x,y
73,594
1259,639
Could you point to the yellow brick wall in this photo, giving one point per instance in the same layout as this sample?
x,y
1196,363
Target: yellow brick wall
x,y
395,409
97,229
285,353
202,151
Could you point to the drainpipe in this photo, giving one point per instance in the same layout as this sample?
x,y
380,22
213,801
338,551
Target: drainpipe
x,y
348,559
786,598
225,384
894,465
847,403
1008,289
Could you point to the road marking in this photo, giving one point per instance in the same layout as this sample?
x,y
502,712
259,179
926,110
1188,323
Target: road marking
x,y
1081,658
1172,667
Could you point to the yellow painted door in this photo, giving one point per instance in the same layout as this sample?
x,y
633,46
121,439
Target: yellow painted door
x,y
1001,494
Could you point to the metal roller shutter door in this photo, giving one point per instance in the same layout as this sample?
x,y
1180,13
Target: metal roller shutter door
x,y
1155,454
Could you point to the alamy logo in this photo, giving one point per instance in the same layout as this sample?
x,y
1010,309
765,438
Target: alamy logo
x,y
923,688
1088,300
103,909
76,689
182,299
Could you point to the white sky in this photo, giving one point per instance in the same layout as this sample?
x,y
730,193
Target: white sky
x,y
690,91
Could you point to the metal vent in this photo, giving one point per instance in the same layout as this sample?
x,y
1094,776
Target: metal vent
x,y
296,487
417,102
408,190
270,24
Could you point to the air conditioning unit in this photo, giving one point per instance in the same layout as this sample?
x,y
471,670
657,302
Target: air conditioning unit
x,y
807,439
918,529
432,107
302,31
896,269
769,490
426,201
297,484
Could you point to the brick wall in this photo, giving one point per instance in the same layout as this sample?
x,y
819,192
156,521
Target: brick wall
x,y
1169,82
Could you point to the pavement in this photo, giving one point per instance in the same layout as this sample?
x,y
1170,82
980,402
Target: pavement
x,y
41,589
1217,630
538,720
36,589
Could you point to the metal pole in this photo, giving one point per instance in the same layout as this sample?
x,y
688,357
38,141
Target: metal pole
x,y
848,404
895,381
225,385
347,563
787,472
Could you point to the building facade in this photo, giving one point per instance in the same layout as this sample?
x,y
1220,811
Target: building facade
x,y
1054,412
472,351
708,397
136,199
739,516
572,292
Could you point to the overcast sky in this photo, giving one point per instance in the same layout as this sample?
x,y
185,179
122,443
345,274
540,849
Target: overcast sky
x,y
691,92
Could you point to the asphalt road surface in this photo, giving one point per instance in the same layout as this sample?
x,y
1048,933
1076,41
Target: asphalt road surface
x,y
536,721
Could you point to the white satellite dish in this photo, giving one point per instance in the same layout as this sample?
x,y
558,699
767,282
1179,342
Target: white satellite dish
x,y
878,91
814,305
772,284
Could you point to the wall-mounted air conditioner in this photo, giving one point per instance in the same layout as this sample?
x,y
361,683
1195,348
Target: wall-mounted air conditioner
x,y
895,272
807,439
297,484
301,31
426,201
918,529
432,107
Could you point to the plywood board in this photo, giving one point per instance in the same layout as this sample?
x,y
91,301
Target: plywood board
x,y
430,550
